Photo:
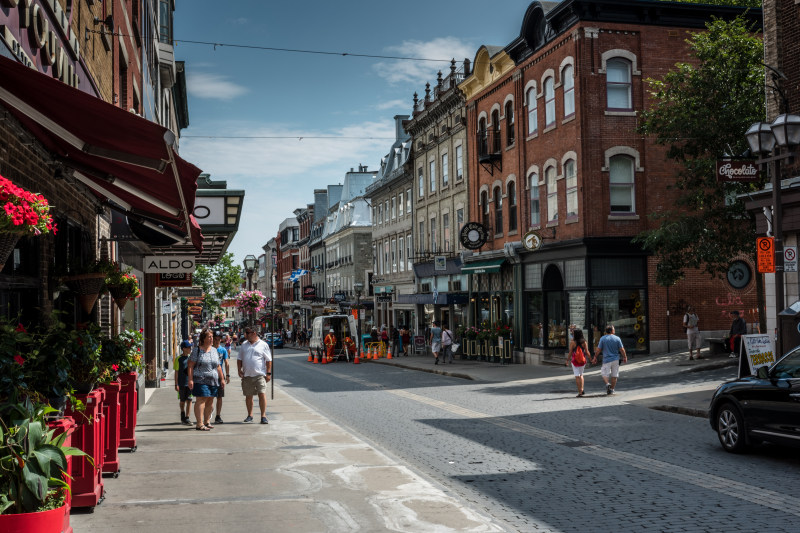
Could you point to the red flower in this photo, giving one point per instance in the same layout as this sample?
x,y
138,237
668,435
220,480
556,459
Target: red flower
x,y
19,360
114,367
21,329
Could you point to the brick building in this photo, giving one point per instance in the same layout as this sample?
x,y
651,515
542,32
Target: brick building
x,y
562,182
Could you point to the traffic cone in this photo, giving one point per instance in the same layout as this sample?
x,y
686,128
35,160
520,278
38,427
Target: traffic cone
x,y
310,356
389,353
316,359
324,359
370,353
356,360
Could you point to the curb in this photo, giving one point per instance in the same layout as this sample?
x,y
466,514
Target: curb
x,y
699,413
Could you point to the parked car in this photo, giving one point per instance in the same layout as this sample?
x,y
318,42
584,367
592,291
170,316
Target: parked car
x,y
764,407
274,340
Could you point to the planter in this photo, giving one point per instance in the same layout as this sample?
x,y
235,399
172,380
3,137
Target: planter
x,y
111,435
128,407
44,522
120,295
87,482
66,425
8,241
87,287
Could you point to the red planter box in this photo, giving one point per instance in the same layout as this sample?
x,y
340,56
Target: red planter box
x,y
44,522
128,403
111,434
87,479
65,425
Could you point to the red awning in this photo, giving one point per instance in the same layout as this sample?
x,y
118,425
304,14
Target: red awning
x,y
122,157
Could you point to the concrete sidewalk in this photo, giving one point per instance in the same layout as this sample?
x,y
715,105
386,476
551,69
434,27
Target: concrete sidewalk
x,y
672,367
300,473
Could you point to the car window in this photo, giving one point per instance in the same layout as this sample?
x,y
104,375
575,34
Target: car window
x,y
788,367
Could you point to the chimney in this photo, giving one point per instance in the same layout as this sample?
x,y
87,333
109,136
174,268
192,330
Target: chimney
x,y
466,67
399,130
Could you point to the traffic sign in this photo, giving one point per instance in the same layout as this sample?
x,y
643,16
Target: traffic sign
x,y
790,258
765,254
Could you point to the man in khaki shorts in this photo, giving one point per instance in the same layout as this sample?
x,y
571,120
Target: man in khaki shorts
x,y
255,369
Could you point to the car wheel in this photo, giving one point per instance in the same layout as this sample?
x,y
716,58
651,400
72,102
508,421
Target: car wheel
x,y
730,429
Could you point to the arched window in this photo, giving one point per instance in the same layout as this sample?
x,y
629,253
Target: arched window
x,y
621,184
549,103
533,180
568,82
498,211
618,84
483,141
533,115
509,123
511,199
485,208
552,194
571,179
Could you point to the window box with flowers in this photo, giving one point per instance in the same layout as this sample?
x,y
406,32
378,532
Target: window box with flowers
x,y
23,214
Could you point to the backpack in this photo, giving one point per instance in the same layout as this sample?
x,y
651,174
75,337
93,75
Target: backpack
x,y
578,357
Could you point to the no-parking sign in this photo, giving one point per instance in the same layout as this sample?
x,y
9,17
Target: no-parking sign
x,y
790,258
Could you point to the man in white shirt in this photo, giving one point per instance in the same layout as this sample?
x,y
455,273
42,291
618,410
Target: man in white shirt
x,y
255,369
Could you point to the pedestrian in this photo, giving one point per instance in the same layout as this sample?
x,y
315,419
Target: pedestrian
x,y
255,369
577,357
734,338
384,338
447,345
228,343
610,346
182,381
690,320
226,373
436,341
205,378
406,334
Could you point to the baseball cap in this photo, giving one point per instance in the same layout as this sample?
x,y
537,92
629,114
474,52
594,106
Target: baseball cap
x,y
186,344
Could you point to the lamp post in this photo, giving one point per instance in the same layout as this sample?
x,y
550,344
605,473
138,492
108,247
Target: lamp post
x,y
358,287
774,143
272,336
250,267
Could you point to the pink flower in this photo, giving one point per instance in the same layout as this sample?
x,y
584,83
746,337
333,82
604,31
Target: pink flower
x,y
21,329
19,360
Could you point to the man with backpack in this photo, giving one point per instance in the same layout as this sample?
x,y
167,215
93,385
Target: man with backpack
x,y
613,354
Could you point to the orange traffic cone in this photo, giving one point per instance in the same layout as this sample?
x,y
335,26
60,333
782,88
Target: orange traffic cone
x,y
316,358
356,360
310,356
324,359
389,353
370,353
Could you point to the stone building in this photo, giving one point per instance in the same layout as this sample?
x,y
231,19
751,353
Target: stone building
x,y
561,181
440,189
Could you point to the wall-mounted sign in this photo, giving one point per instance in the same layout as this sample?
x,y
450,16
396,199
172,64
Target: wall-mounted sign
x,y
309,292
739,274
194,292
439,262
168,264
166,307
178,279
737,170
209,210
473,235
339,296
384,297
532,241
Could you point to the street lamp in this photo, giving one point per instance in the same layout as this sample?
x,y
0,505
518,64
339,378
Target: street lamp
x,y
272,336
250,266
777,139
358,287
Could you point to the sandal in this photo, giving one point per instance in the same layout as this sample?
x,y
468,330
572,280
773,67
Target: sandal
x,y
580,395
201,428
208,425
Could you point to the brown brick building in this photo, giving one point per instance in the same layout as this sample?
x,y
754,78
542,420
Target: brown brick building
x,y
562,181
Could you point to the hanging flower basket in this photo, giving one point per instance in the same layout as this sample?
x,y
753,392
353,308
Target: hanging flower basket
x,y
122,284
23,211
120,294
87,287
8,241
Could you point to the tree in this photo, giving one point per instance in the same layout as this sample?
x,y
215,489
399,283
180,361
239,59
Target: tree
x,y
701,111
219,281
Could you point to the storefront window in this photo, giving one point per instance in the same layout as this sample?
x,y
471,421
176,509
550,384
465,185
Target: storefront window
x,y
483,308
625,310
507,309
535,320
556,320
459,316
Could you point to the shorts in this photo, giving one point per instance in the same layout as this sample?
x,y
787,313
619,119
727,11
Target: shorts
x,y
436,347
252,385
204,391
578,370
610,370
184,393
694,339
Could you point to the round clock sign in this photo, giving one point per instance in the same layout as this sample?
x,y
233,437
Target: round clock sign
x,y
532,241
473,235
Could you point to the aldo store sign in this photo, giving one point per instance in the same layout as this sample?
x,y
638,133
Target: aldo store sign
x,y
168,264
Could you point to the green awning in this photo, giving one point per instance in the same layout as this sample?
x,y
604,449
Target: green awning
x,y
483,267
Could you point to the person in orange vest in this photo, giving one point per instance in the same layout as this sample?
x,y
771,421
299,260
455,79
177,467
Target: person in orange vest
x,y
330,343
350,345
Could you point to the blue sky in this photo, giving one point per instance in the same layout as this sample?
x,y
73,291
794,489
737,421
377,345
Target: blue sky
x,y
236,92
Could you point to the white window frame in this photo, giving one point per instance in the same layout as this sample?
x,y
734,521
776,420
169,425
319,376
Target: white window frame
x,y
432,174
445,171
551,182
459,163
571,183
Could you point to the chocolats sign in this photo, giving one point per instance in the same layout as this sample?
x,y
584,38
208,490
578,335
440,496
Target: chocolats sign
x,y
741,170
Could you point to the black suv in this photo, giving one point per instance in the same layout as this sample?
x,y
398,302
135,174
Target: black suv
x,y
764,407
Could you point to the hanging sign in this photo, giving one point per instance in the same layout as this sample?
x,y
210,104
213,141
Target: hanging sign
x,y
738,171
532,241
765,254
473,235
168,264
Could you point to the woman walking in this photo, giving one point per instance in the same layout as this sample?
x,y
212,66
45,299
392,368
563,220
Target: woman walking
x,y
205,378
578,352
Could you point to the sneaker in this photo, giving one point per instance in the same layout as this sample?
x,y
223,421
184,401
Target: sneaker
x,y
609,390
264,420
733,355
218,420
248,419
183,418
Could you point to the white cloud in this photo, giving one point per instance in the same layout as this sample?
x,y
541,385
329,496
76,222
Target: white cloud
x,y
280,175
214,86
444,48
394,104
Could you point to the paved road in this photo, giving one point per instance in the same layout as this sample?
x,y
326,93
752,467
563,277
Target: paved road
x,y
537,459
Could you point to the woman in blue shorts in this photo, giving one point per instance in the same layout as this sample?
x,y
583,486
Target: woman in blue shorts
x,y
205,377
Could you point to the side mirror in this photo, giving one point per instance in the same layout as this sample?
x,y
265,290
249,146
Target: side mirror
x,y
762,372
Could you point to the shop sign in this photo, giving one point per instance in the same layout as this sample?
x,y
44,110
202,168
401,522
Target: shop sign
x,y
384,297
532,241
168,264
309,292
758,350
737,171
209,210
339,297
194,292
473,235
440,262
174,280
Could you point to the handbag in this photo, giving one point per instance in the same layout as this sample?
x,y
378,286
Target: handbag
x,y
454,347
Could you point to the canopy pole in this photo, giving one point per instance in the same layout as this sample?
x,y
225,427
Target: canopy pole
x,y
180,189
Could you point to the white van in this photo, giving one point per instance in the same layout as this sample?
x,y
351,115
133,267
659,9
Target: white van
x,y
343,326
